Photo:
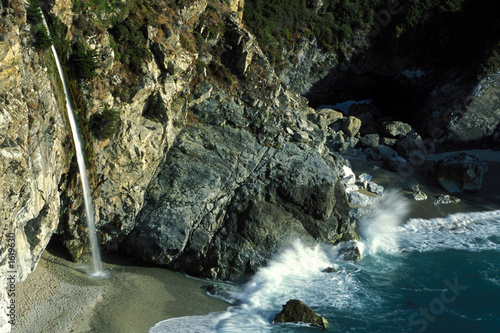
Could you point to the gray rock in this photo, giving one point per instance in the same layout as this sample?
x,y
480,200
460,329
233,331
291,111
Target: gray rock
x,y
329,270
396,129
446,199
363,179
329,116
375,188
461,172
370,140
348,176
382,152
222,204
351,187
390,142
479,117
347,147
360,199
412,146
349,251
294,311
301,136
220,292
242,45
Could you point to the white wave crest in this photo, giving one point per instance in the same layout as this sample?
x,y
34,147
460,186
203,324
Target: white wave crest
x,y
463,231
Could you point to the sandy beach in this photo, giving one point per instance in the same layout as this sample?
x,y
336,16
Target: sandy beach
x,y
59,297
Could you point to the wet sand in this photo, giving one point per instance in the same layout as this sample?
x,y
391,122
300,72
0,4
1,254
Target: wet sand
x,y
59,297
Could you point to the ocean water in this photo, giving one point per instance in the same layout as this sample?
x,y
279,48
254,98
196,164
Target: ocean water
x,y
437,275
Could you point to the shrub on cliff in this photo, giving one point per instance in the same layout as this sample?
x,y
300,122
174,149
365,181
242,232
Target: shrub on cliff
x,y
103,125
130,43
334,21
34,12
84,60
42,38
34,15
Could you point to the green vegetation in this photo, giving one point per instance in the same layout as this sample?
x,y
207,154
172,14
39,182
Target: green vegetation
x,y
130,44
33,11
84,61
280,23
103,125
454,32
459,34
34,15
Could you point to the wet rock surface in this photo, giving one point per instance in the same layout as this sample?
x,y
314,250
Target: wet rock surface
x,y
294,311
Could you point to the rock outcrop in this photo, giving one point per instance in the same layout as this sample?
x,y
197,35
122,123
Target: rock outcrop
x,y
461,172
221,203
200,173
294,311
479,119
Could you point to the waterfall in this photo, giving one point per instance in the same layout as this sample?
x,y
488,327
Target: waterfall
x,y
94,246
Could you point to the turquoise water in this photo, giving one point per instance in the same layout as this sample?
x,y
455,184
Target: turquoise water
x,y
437,275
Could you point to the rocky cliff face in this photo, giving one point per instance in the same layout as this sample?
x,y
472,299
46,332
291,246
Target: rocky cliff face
x,y
222,203
437,82
211,167
34,148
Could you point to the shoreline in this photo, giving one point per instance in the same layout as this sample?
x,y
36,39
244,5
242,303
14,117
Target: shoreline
x,y
58,296
488,198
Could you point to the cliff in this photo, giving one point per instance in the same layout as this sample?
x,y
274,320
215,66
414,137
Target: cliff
x,y
433,64
202,151
189,139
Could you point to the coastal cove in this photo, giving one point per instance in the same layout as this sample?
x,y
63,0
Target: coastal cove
x,y
234,166
111,306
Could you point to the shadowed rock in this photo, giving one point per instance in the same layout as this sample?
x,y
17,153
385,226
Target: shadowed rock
x,y
461,172
294,311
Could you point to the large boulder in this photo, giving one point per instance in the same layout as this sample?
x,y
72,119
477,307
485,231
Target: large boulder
x,y
294,311
222,204
461,172
351,126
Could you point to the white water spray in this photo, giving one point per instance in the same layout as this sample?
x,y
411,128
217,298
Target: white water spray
x,y
380,228
94,246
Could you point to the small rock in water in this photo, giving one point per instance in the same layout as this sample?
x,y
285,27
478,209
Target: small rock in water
x,y
330,270
219,292
350,251
419,196
349,176
294,311
364,178
351,188
446,199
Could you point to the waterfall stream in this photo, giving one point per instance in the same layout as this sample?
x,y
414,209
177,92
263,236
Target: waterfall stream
x,y
94,246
